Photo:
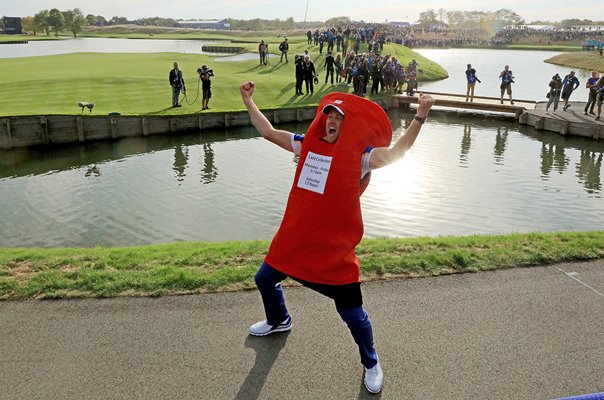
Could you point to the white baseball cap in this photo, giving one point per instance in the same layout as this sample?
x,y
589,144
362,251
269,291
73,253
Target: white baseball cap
x,y
335,104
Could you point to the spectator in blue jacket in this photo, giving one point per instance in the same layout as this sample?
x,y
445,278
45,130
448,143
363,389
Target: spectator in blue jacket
x,y
569,84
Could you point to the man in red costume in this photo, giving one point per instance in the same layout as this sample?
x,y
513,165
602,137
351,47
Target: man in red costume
x,y
349,137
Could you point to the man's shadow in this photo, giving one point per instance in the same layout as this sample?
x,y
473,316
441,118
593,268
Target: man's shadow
x,y
267,350
365,395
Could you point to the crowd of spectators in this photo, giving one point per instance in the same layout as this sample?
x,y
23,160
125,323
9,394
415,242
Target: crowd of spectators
x,y
589,38
441,36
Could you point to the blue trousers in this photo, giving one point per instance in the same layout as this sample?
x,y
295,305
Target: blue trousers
x,y
268,281
175,94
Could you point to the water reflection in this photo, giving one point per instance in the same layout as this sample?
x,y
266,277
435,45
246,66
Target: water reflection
x,y
209,172
501,139
93,171
466,144
588,171
465,175
181,157
552,156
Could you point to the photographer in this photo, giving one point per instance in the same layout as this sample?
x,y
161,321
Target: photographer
x,y
206,93
507,78
177,83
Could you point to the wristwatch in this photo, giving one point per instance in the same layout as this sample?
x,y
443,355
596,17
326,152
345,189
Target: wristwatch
x,y
421,120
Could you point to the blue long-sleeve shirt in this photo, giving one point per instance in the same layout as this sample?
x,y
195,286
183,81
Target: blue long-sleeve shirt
x,y
570,81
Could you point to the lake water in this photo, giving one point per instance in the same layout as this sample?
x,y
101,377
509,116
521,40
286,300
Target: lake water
x,y
101,45
531,74
464,175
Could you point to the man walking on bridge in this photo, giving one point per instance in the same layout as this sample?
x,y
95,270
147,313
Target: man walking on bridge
x,y
569,84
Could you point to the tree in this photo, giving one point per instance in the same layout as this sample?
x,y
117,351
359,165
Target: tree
x,y
442,13
41,21
427,17
56,20
567,23
28,24
338,21
74,20
506,17
91,19
118,20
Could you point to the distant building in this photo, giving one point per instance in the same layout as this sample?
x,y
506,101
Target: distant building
x,y
205,24
12,25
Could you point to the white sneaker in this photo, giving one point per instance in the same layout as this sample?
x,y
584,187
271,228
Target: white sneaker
x,y
374,378
262,328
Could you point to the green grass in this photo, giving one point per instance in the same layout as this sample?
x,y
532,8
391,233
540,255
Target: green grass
x,y
14,38
551,47
137,84
589,60
178,268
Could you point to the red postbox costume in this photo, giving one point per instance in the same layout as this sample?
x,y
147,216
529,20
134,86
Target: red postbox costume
x,y
322,223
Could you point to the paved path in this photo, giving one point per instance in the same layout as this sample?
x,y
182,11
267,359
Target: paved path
x,y
526,333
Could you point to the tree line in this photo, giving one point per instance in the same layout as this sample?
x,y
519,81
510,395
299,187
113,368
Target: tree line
x,y
490,20
56,21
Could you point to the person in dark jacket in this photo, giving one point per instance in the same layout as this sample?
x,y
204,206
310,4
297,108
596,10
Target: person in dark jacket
x,y
284,48
309,74
329,66
299,63
555,87
177,83
472,79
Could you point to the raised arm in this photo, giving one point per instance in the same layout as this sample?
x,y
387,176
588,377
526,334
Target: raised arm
x,y
263,125
382,156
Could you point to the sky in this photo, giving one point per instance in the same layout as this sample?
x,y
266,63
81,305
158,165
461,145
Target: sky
x,y
382,11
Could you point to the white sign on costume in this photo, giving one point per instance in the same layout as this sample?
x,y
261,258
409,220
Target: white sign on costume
x,y
314,172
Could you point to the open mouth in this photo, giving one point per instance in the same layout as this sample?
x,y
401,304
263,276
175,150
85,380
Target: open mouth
x,y
332,129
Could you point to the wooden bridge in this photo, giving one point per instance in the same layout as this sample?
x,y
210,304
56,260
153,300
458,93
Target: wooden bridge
x,y
482,103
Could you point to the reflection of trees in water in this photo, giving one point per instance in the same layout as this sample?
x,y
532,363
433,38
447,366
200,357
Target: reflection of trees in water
x,y
588,170
209,172
181,158
466,143
501,140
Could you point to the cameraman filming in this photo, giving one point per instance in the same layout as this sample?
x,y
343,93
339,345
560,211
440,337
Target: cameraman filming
x,y
177,83
206,84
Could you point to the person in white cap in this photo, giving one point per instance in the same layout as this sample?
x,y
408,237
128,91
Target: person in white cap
x,y
348,138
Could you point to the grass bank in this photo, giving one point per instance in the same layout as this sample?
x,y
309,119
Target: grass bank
x,y
539,47
589,60
29,38
177,268
137,84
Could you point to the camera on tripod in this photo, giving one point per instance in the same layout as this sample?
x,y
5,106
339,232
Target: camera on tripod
x,y
205,70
